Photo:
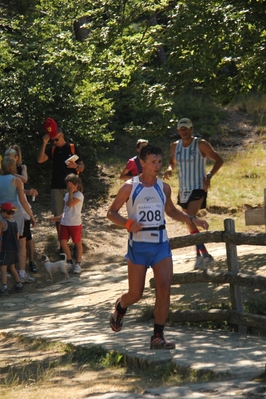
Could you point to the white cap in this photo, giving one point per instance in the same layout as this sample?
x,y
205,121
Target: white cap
x,y
184,122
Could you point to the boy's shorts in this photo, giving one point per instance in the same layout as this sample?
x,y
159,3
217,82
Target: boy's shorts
x,y
148,254
75,232
195,195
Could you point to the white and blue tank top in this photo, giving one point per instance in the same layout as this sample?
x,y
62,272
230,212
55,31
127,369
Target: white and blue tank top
x,y
191,166
146,206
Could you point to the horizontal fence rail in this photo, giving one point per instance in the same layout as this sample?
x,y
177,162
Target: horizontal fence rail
x,y
218,315
218,236
206,276
233,277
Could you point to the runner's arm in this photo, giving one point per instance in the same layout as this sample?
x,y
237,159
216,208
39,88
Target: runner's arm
x,y
125,175
208,151
113,212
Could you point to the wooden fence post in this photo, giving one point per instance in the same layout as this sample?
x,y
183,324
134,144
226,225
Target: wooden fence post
x,y
233,267
265,206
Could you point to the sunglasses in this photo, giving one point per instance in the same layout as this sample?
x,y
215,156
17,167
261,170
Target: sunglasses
x,y
57,138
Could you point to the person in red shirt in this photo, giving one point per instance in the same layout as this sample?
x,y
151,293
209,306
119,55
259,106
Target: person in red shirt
x,y
133,166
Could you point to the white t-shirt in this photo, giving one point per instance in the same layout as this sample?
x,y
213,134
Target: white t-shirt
x,y
72,214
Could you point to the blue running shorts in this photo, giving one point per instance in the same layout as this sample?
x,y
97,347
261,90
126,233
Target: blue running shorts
x,y
148,254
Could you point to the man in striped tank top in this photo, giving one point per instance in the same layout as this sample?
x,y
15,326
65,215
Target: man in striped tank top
x,y
147,199
190,155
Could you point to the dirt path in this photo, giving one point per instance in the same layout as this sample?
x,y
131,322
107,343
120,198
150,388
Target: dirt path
x,y
105,244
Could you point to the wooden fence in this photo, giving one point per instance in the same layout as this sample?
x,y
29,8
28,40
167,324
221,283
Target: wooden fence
x,y
236,316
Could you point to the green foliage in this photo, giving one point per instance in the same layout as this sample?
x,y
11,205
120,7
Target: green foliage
x,y
126,75
95,356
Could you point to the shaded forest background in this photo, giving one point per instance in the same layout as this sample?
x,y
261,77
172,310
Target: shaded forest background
x,y
113,71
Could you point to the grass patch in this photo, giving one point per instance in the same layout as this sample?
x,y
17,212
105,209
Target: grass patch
x,y
253,104
62,370
237,186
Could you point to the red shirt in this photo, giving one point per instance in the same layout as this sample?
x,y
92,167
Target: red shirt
x,y
132,167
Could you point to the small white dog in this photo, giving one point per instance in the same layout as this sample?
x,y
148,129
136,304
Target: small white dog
x,y
55,266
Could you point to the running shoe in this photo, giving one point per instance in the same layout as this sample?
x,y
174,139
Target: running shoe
x,y
199,262
116,319
159,342
26,279
77,269
33,267
15,289
208,261
4,292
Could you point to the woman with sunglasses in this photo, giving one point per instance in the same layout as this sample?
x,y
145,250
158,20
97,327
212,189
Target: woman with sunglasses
x,y
59,153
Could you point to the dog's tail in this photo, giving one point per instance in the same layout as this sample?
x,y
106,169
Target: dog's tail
x,y
63,257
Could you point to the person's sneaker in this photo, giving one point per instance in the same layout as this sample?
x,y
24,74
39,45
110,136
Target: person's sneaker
x,y
26,279
116,319
159,342
77,269
70,265
199,262
208,261
15,289
33,267
3,292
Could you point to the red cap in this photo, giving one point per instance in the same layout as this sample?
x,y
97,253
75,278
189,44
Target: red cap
x,y
50,127
8,206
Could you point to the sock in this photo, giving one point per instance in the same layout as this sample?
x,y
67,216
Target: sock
x,y
158,329
70,261
21,273
200,248
194,231
120,309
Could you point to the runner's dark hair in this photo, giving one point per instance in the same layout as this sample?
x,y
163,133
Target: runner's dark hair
x,y
148,150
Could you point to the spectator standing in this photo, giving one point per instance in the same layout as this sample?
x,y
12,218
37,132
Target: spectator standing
x,y
133,166
10,248
11,190
190,155
147,199
70,220
22,173
58,154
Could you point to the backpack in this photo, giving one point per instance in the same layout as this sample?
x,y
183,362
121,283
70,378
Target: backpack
x,y
137,161
72,149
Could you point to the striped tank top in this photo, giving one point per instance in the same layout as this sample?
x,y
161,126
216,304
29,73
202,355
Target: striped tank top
x,y
191,166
